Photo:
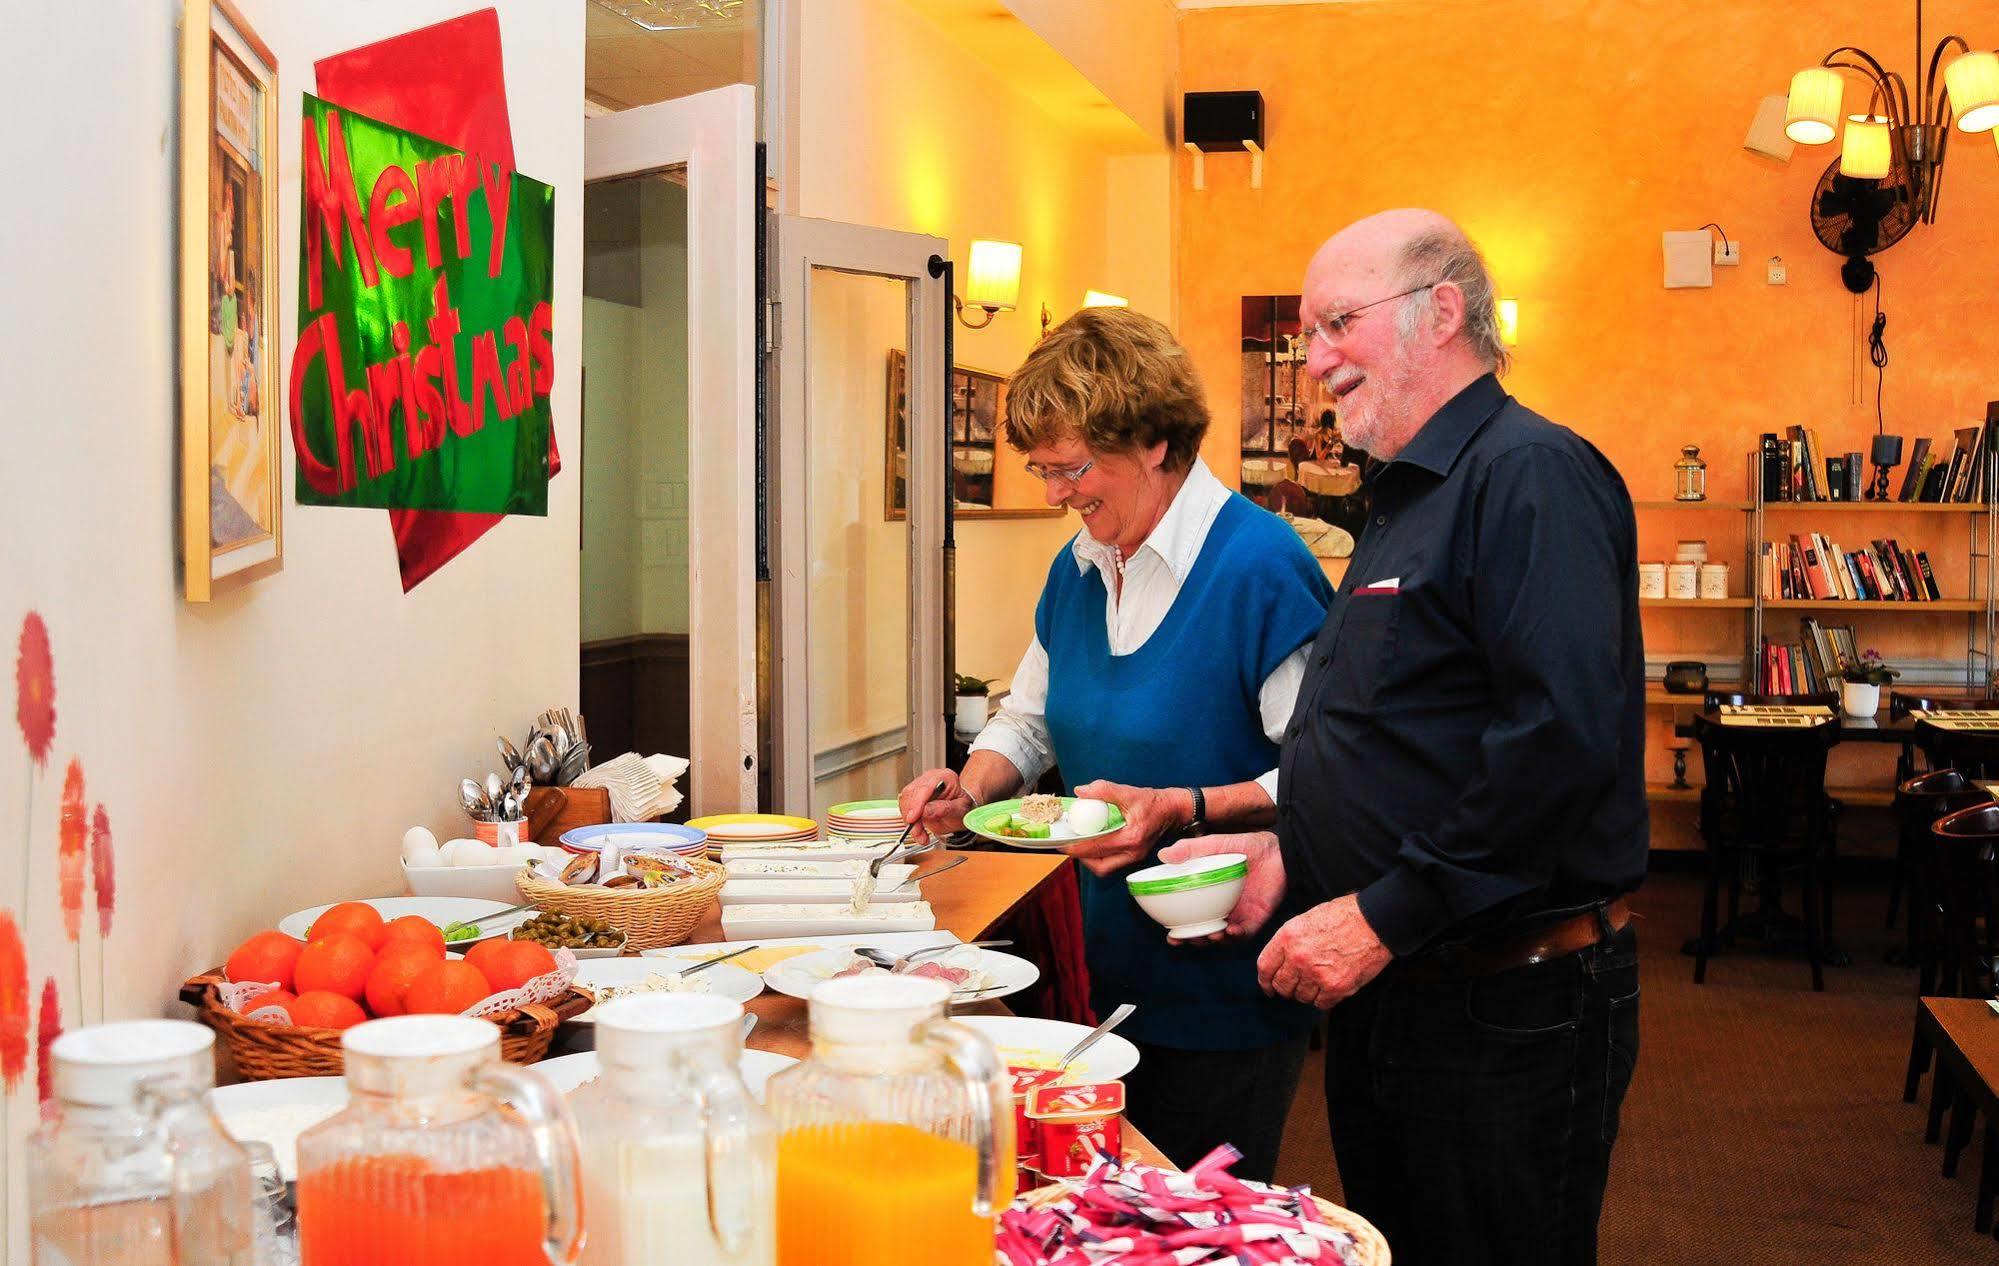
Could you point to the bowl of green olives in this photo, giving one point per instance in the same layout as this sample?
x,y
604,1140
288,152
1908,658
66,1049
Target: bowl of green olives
x,y
582,935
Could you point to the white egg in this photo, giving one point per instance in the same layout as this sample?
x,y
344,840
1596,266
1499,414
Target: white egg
x,y
417,839
467,853
423,857
1087,817
518,855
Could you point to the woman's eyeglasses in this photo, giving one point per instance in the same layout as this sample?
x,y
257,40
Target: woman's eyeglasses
x,y
1330,328
1067,474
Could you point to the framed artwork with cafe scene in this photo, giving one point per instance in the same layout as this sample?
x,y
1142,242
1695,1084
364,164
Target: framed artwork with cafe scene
x,y
978,410
232,528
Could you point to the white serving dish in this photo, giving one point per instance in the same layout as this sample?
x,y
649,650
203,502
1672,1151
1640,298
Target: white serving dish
x,y
487,883
725,980
1008,973
839,850
439,910
892,875
751,922
738,892
1191,898
568,1072
241,1104
1043,1041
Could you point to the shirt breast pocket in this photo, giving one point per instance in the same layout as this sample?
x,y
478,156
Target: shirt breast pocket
x,y
1365,651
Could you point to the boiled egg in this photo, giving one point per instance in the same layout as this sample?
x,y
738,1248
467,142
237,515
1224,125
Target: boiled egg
x,y
1087,817
417,840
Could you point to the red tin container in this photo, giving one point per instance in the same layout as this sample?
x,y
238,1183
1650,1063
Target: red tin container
x,y
1075,1124
1026,1132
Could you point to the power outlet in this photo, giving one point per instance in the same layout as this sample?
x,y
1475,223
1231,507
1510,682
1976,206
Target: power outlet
x,y
1728,252
1777,274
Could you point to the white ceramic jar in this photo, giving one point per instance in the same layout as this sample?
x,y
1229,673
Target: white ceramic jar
x,y
1651,580
1683,580
1714,580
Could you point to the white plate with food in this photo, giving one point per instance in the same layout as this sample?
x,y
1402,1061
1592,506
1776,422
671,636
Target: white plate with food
x,y
442,911
608,978
975,975
1029,1043
570,1072
750,923
1044,821
892,875
749,892
278,1111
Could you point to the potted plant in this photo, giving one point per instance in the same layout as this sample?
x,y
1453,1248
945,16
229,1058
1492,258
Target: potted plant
x,y
1860,684
973,695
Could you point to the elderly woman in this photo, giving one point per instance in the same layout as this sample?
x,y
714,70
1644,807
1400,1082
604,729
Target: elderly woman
x,y
1169,643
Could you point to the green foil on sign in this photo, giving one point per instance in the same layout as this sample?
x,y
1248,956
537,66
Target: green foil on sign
x,y
424,360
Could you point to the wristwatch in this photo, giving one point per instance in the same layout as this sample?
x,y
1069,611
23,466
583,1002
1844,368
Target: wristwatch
x,y
1198,824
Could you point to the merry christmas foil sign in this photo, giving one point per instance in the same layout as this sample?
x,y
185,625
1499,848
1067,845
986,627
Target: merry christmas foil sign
x,y
424,360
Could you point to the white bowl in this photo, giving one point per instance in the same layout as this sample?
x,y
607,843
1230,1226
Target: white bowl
x,y
1191,898
488,883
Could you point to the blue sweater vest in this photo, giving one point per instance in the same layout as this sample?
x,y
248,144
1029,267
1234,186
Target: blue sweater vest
x,y
1181,710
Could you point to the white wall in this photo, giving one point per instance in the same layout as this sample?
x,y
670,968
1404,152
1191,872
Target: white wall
x,y
267,751
900,127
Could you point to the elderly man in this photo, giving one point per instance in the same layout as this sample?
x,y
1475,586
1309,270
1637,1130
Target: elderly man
x,y
1461,805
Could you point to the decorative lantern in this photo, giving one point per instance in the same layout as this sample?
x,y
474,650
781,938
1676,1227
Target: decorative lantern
x,y
1690,475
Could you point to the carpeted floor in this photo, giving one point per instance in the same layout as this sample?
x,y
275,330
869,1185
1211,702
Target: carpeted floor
x,y
1765,1125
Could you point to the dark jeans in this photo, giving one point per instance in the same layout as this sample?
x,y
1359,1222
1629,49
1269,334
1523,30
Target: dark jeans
x,y
1473,1120
1191,1102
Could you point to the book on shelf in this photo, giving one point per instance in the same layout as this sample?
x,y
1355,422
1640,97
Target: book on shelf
x,y
1793,467
1809,665
1912,474
1812,566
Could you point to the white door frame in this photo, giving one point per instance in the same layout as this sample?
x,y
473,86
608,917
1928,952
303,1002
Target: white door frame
x,y
713,134
803,245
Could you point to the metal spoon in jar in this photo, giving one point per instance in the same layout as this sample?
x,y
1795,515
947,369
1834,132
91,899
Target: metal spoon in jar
x,y
509,753
475,800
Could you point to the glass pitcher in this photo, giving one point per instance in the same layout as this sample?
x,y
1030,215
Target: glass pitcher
x,y
678,1159
135,1170
444,1155
895,1136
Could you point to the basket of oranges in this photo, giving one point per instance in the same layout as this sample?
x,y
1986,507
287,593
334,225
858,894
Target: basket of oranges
x,y
280,1005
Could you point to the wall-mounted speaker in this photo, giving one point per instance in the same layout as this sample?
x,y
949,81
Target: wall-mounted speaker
x,y
1219,122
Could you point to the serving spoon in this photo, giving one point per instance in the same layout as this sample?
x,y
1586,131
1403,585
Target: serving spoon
x,y
1117,1017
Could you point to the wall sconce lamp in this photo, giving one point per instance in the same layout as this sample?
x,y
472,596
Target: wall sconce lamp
x,y
992,283
1104,299
1509,321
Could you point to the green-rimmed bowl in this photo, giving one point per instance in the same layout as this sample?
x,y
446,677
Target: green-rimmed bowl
x,y
1191,898
986,820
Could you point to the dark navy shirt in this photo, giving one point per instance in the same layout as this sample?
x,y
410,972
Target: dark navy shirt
x,y
1468,746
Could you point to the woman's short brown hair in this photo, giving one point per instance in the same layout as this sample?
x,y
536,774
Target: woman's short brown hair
x,y
1116,378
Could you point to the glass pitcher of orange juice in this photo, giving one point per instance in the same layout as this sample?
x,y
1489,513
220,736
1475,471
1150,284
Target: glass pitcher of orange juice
x,y
444,1155
895,1136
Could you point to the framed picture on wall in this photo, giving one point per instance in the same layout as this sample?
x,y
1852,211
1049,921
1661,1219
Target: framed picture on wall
x,y
1294,458
232,502
978,401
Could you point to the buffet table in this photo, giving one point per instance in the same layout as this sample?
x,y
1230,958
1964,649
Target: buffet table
x,y
969,903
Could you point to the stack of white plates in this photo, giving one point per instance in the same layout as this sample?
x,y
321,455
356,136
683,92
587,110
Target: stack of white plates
x,y
637,837
865,820
729,831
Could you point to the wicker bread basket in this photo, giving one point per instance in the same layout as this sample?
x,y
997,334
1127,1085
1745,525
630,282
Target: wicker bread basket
x,y
649,917
1369,1246
265,1051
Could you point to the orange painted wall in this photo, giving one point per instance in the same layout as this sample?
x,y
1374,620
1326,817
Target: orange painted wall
x,y
1566,135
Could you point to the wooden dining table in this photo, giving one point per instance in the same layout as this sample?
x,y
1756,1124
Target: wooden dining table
x,y
969,902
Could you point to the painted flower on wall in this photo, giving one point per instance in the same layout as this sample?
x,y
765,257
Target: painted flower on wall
x,y
71,834
48,1028
13,1005
103,879
35,688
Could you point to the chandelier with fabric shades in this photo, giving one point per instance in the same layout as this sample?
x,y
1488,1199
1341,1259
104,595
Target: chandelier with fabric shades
x,y
1906,128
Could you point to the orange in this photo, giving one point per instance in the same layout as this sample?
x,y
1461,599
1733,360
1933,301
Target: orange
x,y
416,930
399,963
485,953
338,963
356,918
265,956
515,963
318,1009
269,998
446,988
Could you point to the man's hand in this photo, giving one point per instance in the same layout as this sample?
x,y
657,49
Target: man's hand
x,y
1323,956
937,800
1150,813
1261,891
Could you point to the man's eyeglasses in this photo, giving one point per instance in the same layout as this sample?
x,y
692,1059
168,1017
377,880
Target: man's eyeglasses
x,y
1067,474
1330,328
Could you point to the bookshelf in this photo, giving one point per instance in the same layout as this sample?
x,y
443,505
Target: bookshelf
x,y
1771,521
